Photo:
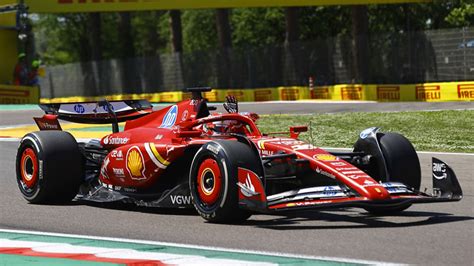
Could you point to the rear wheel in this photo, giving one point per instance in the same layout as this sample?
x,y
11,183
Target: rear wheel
x,y
402,164
49,167
213,180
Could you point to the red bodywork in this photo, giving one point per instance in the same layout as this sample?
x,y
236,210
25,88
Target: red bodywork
x,y
142,152
140,155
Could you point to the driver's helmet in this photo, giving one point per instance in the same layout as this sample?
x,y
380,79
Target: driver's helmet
x,y
218,127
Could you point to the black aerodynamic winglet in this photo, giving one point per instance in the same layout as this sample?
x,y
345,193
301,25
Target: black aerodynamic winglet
x,y
445,182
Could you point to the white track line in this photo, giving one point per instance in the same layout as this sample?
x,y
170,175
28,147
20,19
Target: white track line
x,y
210,248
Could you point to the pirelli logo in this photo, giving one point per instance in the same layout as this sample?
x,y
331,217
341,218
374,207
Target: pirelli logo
x,y
239,95
263,95
167,97
388,93
424,93
14,93
211,96
351,93
290,94
466,91
320,93
186,95
14,96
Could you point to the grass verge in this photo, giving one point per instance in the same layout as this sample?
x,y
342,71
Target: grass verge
x,y
448,131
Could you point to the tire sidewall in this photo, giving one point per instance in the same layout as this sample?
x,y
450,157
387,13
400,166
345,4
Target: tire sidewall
x,y
401,159
60,164
35,193
226,167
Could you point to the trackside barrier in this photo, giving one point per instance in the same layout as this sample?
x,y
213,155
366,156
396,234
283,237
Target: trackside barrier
x,y
424,92
10,94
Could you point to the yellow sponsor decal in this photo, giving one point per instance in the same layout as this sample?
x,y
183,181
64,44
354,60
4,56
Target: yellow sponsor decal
x,y
466,91
135,163
321,93
388,93
267,94
351,93
289,94
325,157
428,93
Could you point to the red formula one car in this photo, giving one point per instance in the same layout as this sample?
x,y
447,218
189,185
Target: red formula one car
x,y
185,156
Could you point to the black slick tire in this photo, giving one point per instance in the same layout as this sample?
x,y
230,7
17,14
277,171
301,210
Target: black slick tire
x,y
403,166
213,180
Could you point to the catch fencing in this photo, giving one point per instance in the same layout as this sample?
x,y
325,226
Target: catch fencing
x,y
391,58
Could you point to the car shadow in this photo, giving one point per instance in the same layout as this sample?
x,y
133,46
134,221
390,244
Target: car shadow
x,y
353,219
350,218
134,208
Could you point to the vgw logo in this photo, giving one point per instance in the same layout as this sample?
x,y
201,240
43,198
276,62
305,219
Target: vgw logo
x,y
180,199
170,117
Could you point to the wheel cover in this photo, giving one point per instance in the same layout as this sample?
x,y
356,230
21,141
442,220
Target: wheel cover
x,y
29,168
209,181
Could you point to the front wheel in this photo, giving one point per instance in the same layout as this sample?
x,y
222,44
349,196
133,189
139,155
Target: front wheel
x,y
49,167
402,165
213,180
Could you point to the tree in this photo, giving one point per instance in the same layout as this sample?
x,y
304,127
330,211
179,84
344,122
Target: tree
x,y
176,31
360,43
199,30
224,64
292,25
125,37
223,28
95,40
463,15
257,27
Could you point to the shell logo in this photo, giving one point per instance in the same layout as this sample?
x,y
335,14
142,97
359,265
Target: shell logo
x,y
325,157
135,163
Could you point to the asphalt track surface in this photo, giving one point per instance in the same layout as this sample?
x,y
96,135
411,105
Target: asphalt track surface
x,y
437,234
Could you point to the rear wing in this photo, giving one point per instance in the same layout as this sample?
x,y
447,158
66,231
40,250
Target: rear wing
x,y
96,112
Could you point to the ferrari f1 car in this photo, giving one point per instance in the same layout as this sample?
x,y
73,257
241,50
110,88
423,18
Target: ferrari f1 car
x,y
184,156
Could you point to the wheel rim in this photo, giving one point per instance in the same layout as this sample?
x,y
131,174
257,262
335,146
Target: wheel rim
x,y
29,168
209,181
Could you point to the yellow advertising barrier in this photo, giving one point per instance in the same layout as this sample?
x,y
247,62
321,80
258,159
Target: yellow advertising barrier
x,y
265,94
293,93
18,94
65,6
425,92
428,92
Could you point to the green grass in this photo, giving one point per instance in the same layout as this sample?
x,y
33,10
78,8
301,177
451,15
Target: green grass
x,y
450,131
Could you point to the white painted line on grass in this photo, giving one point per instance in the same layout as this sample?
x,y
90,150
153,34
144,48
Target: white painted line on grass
x,y
209,248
